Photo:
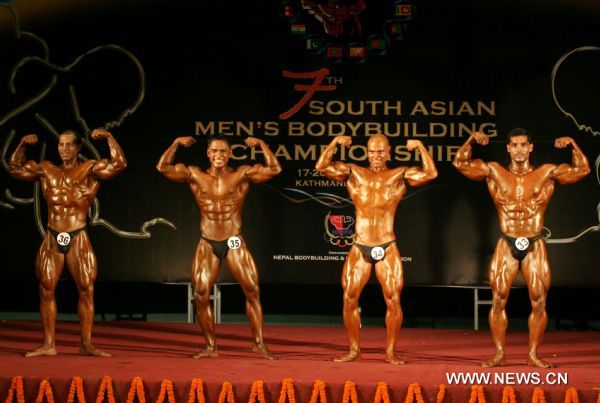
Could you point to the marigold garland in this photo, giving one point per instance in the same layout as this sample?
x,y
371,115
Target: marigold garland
x,y
106,387
538,396
477,394
166,390
76,388
414,391
571,396
226,393
349,392
287,390
257,391
381,394
45,391
137,388
16,387
441,393
508,395
196,391
319,392
598,400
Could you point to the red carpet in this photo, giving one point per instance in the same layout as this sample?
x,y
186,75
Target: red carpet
x,y
157,351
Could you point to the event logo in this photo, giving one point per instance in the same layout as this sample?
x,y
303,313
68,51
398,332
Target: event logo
x,y
339,229
581,126
309,89
341,30
29,107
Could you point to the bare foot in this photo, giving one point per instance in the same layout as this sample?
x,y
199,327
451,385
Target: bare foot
x,y
44,349
351,356
207,352
496,361
89,349
263,350
536,361
394,359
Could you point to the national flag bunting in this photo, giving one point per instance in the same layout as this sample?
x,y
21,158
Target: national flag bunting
x,y
356,52
334,52
403,10
377,44
298,28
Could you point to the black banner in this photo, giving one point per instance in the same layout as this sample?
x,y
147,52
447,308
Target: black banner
x,y
296,73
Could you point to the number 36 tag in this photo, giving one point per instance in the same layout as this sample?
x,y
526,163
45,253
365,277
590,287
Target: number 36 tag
x,y
63,239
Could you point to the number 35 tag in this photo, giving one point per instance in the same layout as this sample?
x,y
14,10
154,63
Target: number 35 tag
x,y
234,242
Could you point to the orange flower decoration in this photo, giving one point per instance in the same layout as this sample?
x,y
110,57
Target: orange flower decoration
x,y
349,392
571,396
196,391
166,391
414,392
477,394
287,390
16,387
319,392
45,391
538,396
106,388
226,393
441,393
382,394
137,388
76,388
257,392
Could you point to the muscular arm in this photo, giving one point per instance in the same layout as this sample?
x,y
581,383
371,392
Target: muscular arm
x,y
472,169
580,167
338,171
106,169
178,172
417,176
261,173
21,169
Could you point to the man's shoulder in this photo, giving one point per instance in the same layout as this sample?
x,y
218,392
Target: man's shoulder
x,y
546,167
545,170
497,167
48,166
197,172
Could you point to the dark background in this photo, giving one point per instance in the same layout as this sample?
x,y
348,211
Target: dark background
x,y
223,61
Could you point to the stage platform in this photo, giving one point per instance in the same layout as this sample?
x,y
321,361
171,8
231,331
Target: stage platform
x,y
158,351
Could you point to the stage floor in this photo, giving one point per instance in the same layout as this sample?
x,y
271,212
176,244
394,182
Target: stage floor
x,y
157,351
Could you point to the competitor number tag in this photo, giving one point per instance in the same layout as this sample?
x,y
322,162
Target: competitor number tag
x,y
234,242
377,253
522,243
63,239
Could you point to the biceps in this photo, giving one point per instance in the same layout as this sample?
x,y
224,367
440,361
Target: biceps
x,y
476,170
566,174
260,173
30,171
103,169
177,173
338,171
415,176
